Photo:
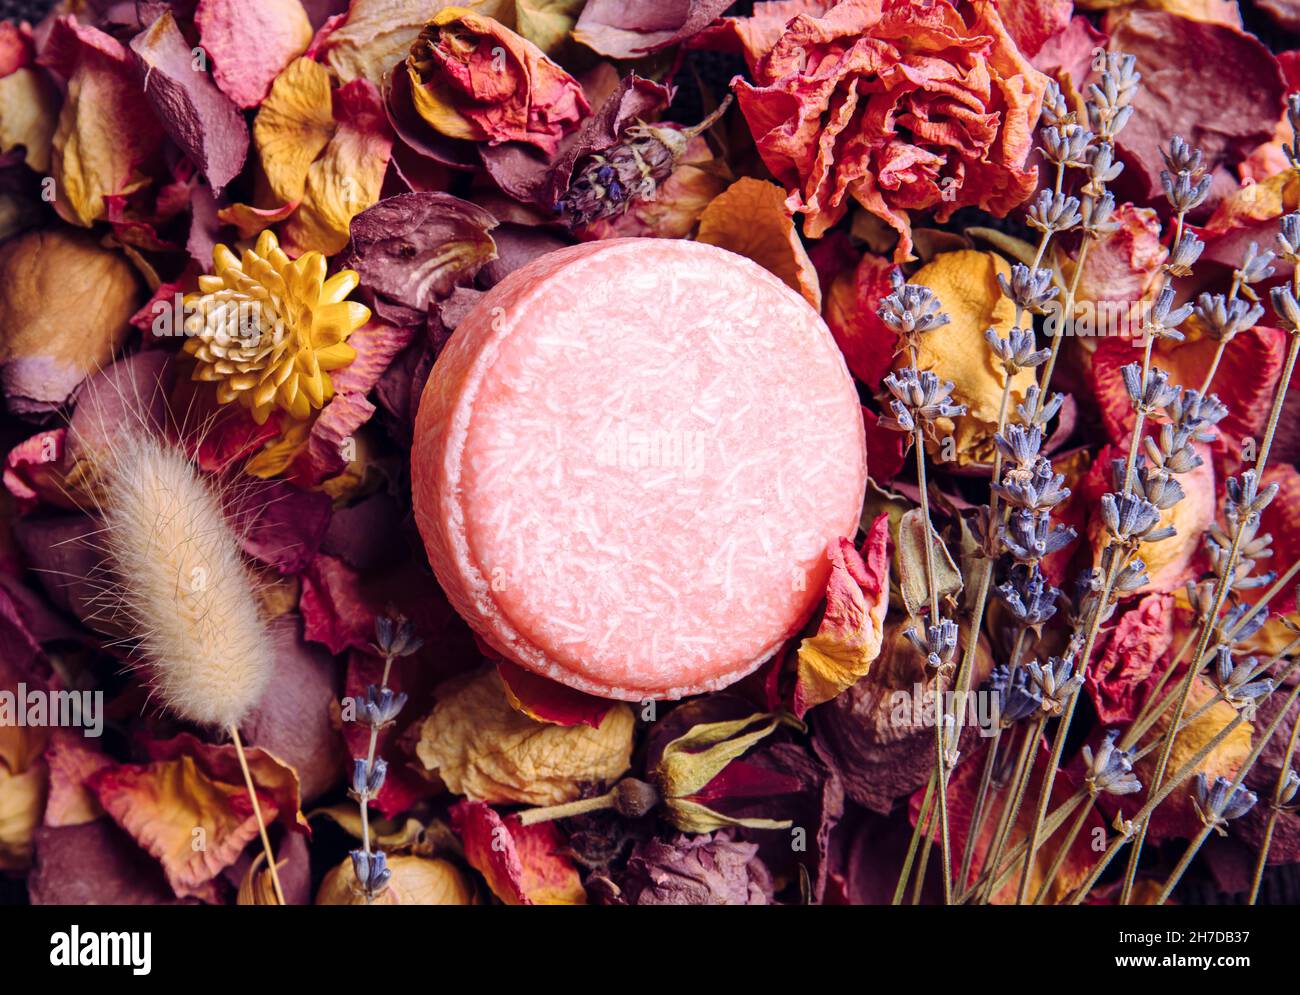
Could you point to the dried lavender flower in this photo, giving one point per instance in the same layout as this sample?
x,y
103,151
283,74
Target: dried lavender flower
x,y
1029,536
1130,518
606,185
1020,446
1110,98
1286,308
1172,450
1245,498
1197,412
1252,549
1245,618
1097,213
395,637
1110,770
1040,489
1056,682
1157,486
1148,395
1029,597
912,309
1163,318
1102,169
1017,350
1056,109
1034,414
1030,290
1053,212
371,870
1289,787
1184,254
938,645
1292,148
1181,157
1234,679
381,706
1219,803
1184,191
1066,144
367,778
1224,318
1289,238
1017,698
1131,578
918,398
1255,266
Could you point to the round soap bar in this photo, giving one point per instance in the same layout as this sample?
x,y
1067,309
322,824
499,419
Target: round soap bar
x,y
628,462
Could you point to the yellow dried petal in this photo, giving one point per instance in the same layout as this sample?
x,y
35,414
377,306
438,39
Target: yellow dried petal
x,y
293,125
338,286
486,750
967,284
750,219
29,110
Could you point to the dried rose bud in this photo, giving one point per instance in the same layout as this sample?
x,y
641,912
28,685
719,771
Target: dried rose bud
x,y
634,799
609,183
695,758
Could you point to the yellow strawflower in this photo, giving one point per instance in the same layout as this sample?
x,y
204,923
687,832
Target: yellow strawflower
x,y
267,329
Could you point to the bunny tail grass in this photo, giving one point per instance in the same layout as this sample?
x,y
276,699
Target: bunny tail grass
x,y
182,585
257,811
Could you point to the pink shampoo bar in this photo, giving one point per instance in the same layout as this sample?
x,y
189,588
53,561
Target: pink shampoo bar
x,y
628,463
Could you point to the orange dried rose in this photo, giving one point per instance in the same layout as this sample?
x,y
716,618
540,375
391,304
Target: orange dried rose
x,y
897,105
473,78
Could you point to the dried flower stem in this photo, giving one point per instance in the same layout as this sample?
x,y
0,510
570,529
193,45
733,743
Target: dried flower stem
x,y
1183,773
567,810
1133,734
1220,596
986,775
1063,811
1075,828
1214,367
1139,729
1275,811
363,802
1085,654
986,566
1067,310
1019,784
921,828
257,814
1194,847
394,638
918,883
1063,726
940,726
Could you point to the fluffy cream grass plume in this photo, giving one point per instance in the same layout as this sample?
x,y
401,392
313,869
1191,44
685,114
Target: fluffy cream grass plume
x,y
181,582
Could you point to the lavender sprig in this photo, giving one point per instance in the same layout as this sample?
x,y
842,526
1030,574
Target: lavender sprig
x,y
394,638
